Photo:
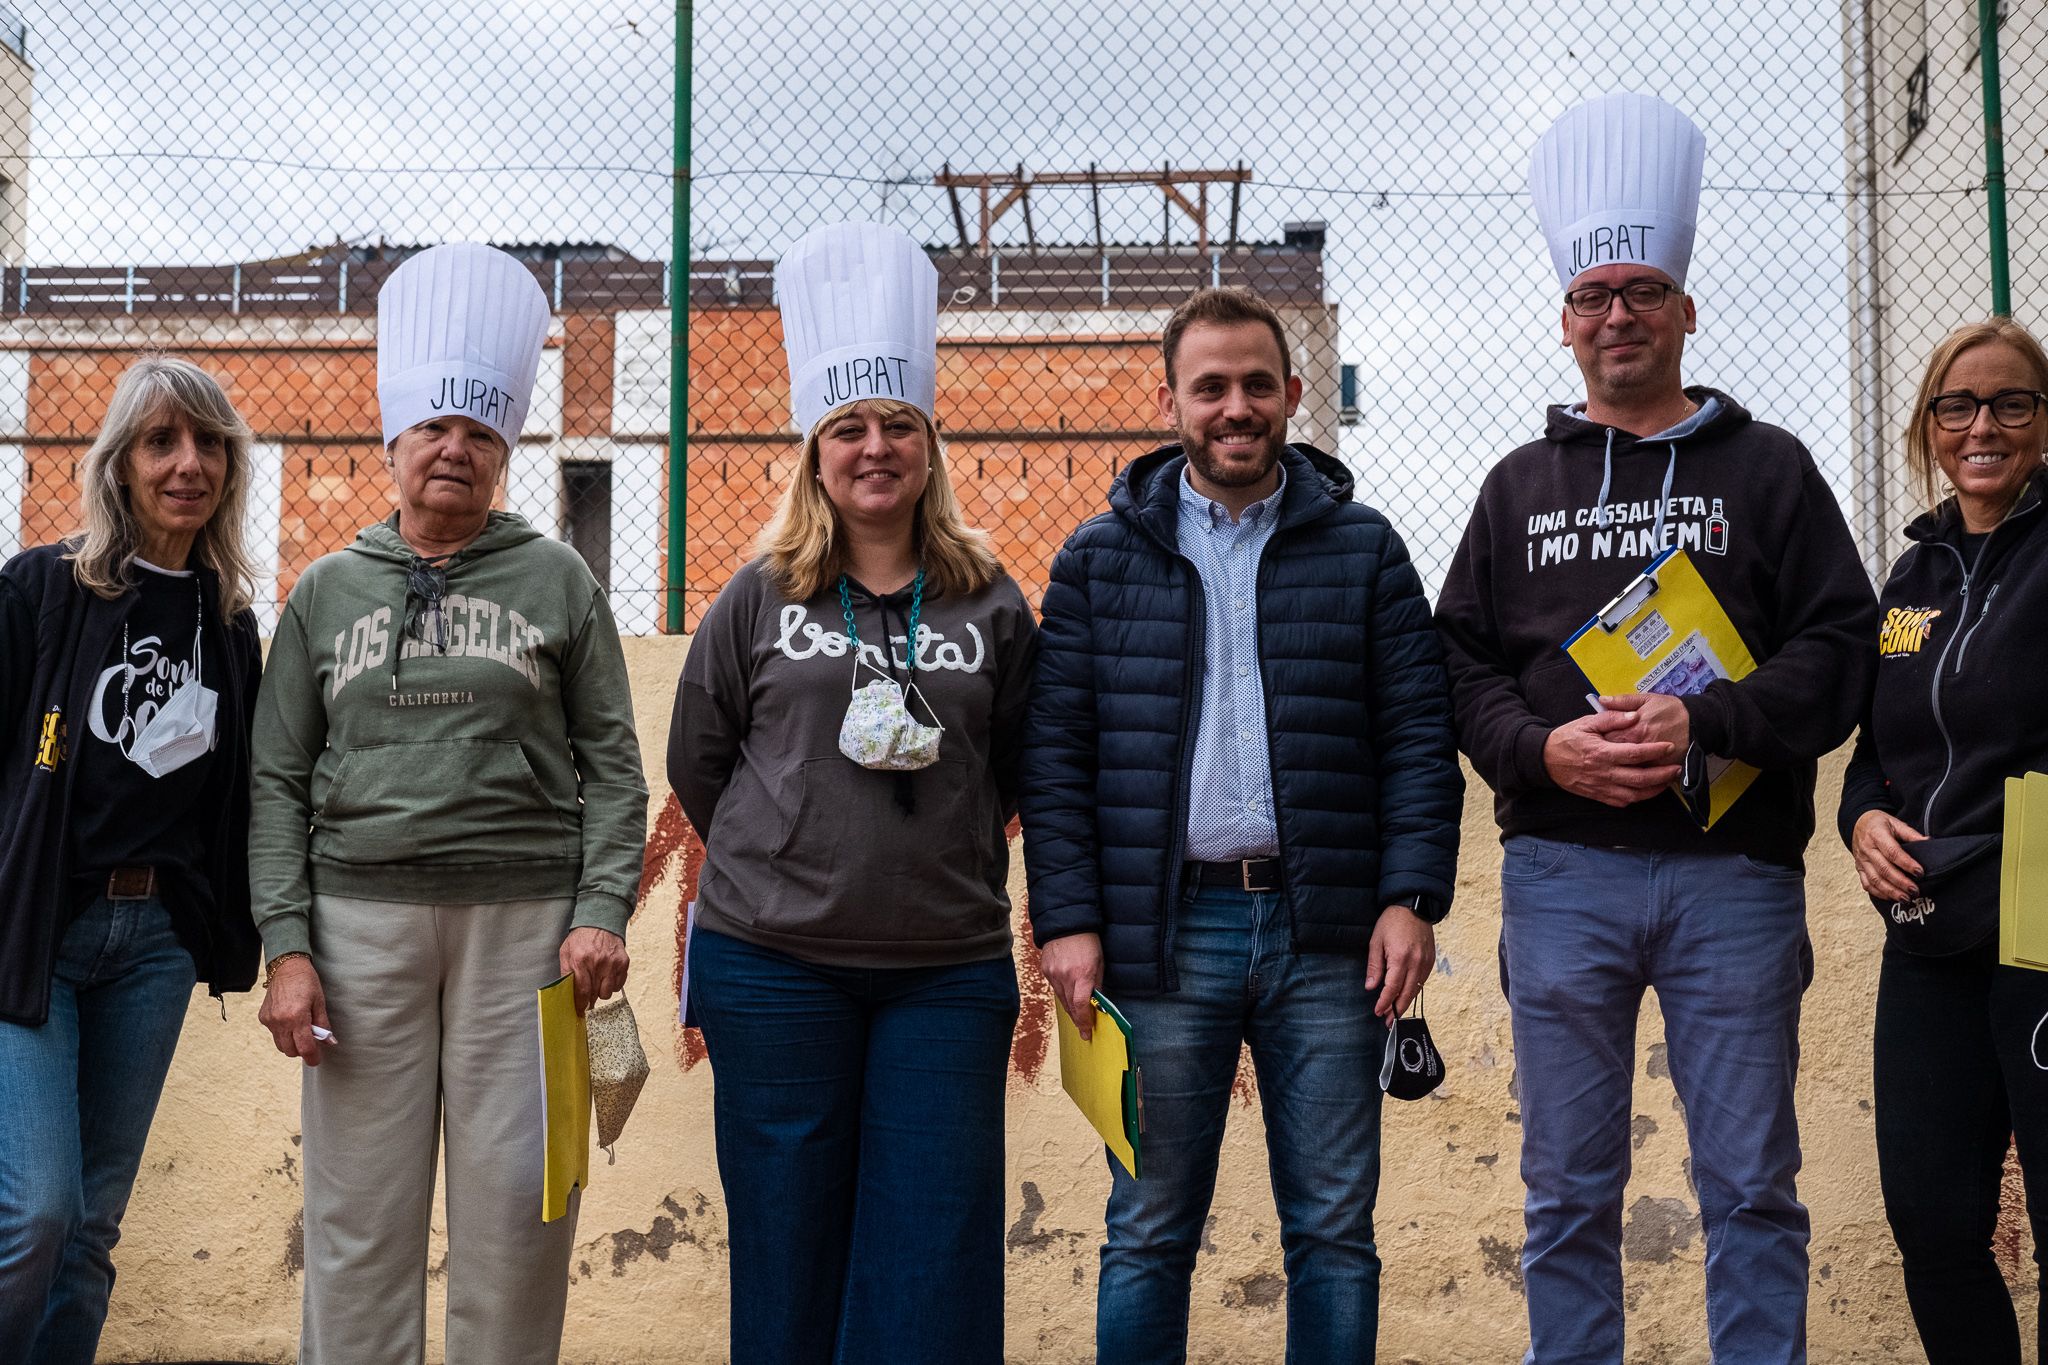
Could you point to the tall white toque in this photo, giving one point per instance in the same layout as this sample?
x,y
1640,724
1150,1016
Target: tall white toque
x,y
1616,180
860,319
459,333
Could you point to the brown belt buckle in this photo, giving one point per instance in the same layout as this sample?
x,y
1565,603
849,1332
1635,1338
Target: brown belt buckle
x,y
131,883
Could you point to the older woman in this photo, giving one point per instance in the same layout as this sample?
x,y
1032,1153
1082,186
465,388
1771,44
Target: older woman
x,y
1961,1067
449,814
128,667
845,739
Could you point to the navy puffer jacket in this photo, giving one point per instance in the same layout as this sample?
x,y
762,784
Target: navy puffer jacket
x,y
1366,783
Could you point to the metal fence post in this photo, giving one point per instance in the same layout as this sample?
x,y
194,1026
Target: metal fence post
x,y
679,338
1994,158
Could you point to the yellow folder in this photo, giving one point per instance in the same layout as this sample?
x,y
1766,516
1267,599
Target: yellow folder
x,y
1666,632
2023,874
1103,1083
564,1098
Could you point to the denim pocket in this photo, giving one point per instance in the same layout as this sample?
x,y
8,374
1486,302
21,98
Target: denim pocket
x,y
1775,871
1526,858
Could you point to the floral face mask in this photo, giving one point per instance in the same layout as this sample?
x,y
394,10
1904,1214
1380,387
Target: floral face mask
x,y
879,730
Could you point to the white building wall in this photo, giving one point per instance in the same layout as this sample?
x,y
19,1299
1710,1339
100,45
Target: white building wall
x,y
13,456
264,527
639,529
533,483
1932,249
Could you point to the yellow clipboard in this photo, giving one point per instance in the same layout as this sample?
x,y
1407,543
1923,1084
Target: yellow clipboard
x,y
564,1098
1102,1081
2023,874
1666,632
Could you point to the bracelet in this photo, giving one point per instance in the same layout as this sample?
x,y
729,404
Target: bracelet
x,y
270,968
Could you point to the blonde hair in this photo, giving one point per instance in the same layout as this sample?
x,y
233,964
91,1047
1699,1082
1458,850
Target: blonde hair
x,y
103,555
1920,459
804,550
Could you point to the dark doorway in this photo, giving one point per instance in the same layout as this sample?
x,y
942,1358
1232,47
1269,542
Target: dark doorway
x,y
587,514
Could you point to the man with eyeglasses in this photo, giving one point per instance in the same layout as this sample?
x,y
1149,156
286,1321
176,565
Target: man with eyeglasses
x,y
1609,885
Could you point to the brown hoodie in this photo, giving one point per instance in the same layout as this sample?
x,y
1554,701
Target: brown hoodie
x,y
811,854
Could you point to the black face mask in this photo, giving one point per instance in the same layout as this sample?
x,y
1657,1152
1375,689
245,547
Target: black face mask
x,y
1411,1066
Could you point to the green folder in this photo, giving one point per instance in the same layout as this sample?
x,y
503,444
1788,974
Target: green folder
x,y
1104,1082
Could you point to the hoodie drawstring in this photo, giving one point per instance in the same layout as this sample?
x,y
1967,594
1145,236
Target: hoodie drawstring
x,y
1664,500
1606,482
1601,514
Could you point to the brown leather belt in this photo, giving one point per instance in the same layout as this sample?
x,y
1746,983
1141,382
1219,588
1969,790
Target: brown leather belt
x,y
131,883
1240,874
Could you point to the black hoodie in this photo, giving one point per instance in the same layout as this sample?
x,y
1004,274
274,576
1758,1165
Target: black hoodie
x,y
1746,503
53,637
1959,638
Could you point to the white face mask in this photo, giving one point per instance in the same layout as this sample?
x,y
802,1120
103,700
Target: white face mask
x,y
879,731
181,730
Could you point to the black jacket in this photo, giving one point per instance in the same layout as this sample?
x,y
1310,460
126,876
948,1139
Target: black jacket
x,y
1753,513
1366,785
1959,637
53,636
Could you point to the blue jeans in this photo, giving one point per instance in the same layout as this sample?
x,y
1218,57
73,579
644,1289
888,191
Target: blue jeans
x,y
1722,940
1316,1045
81,1091
859,1114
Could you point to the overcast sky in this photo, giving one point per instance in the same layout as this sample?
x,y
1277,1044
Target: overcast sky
x,y
179,132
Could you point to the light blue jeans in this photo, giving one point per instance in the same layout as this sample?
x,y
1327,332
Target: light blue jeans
x,y
80,1093
1316,1045
1722,940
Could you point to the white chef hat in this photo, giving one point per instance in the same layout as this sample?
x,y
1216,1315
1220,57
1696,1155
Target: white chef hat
x,y
1616,180
860,319
459,333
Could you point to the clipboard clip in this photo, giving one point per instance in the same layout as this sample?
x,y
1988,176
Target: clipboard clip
x,y
1628,601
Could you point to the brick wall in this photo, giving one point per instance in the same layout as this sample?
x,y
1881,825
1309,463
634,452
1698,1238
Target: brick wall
x,y
1041,409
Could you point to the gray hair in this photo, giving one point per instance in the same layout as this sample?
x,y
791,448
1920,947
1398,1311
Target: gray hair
x,y
103,555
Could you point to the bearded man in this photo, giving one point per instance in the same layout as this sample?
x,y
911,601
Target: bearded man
x,y
1240,801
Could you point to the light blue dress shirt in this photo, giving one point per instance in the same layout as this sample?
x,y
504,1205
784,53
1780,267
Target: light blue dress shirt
x,y
1230,788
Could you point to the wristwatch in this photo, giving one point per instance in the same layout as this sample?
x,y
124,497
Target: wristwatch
x,y
1425,907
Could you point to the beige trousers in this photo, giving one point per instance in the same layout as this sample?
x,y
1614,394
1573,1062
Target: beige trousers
x,y
433,1010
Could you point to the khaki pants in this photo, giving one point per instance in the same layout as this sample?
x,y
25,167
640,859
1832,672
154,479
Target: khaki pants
x,y
433,1010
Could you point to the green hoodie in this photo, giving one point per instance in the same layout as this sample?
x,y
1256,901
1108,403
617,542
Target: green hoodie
x,y
493,759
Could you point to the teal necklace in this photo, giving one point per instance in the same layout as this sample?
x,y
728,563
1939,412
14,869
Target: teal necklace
x,y
916,610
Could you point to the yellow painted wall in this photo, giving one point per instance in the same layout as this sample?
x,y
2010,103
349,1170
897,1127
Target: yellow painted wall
x,y
209,1264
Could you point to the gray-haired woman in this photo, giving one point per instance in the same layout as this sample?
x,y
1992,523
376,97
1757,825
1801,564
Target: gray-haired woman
x,y
128,671
450,813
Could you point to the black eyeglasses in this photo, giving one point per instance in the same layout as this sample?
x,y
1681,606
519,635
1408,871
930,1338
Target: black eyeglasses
x,y
2009,408
1641,296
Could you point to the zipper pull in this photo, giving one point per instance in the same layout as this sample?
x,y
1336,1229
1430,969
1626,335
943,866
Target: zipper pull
x,y
1963,640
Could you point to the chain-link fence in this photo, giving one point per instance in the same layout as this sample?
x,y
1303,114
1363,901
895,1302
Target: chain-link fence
x,y
233,181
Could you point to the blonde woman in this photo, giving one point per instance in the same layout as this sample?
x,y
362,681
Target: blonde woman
x,y
846,741
128,670
1958,1058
